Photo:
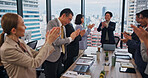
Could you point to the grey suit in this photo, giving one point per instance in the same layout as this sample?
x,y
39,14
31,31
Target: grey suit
x,y
53,65
144,56
58,42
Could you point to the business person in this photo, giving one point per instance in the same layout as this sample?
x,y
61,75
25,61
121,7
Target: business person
x,y
133,40
107,27
18,59
139,58
79,25
53,66
73,47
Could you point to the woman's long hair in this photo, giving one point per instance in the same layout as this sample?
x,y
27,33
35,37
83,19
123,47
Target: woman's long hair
x,y
8,21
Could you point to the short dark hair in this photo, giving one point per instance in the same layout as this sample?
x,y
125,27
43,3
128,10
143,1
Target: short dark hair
x,y
78,19
109,13
66,11
138,14
144,13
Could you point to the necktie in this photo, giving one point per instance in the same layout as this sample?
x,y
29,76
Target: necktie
x,y
62,36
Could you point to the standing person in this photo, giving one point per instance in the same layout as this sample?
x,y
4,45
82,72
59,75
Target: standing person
x,y
79,25
133,40
143,16
139,61
53,66
18,59
107,27
73,47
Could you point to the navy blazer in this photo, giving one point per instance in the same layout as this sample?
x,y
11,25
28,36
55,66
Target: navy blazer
x,y
110,29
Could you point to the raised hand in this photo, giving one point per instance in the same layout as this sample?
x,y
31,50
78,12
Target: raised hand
x,y
104,24
125,34
82,32
75,34
141,33
52,35
124,40
91,26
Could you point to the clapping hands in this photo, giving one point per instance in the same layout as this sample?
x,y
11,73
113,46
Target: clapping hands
x,y
75,34
90,26
52,35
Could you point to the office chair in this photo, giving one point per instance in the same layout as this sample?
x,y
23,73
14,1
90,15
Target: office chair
x,y
116,40
32,44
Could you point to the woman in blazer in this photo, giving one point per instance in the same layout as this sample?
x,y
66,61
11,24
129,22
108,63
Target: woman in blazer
x,y
18,59
79,25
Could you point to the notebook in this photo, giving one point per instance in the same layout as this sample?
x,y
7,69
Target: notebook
x,y
81,68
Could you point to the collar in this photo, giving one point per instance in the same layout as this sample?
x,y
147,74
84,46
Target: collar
x,y
60,24
12,42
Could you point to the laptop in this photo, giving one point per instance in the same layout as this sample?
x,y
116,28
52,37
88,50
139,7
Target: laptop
x,y
109,47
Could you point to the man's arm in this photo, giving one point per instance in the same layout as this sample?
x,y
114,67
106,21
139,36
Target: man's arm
x,y
99,28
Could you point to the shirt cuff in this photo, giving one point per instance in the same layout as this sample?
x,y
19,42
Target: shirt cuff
x,y
70,39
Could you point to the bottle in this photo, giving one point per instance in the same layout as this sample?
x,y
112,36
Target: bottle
x,y
106,56
98,55
102,74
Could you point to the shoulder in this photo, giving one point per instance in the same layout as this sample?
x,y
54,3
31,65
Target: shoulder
x,y
6,46
112,22
54,21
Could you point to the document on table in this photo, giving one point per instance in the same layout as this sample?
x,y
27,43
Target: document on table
x,y
83,61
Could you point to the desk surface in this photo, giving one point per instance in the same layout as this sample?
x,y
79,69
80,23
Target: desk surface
x,y
97,67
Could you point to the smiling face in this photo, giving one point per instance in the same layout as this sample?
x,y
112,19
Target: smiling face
x,y
66,19
142,20
107,17
20,30
82,20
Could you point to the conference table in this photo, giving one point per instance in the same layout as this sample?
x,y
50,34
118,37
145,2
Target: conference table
x,y
98,65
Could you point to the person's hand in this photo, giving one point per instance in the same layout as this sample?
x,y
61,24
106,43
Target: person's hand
x,y
125,34
90,26
141,33
52,35
75,34
103,24
82,32
124,40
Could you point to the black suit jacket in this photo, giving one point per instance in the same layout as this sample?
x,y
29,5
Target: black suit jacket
x,y
110,29
73,47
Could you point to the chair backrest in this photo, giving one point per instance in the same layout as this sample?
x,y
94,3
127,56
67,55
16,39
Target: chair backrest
x,y
32,44
116,40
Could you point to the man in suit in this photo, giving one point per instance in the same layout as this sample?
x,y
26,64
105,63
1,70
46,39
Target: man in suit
x,y
53,66
107,27
73,47
132,40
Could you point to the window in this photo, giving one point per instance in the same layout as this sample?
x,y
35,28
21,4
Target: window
x,y
59,5
33,19
7,6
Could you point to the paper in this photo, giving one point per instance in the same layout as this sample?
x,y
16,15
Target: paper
x,y
127,65
83,76
121,50
122,60
70,74
84,61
